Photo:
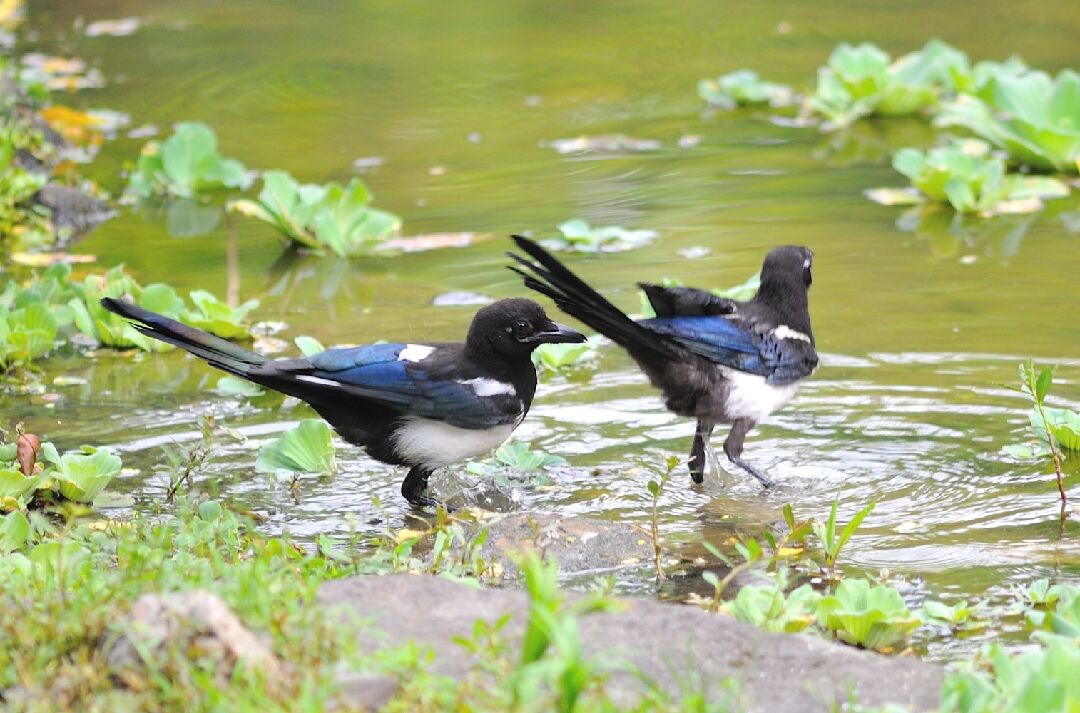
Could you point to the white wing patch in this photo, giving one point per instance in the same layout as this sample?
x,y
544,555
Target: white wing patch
x,y
415,352
488,387
319,380
786,332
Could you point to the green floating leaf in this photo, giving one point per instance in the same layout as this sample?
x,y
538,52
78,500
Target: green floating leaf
x,y
557,357
13,484
874,617
862,80
308,345
235,386
328,217
185,164
743,87
81,476
766,607
307,448
972,180
14,531
579,236
216,317
518,456
1026,113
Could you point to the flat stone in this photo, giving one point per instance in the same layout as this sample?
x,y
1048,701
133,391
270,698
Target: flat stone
x,y
682,649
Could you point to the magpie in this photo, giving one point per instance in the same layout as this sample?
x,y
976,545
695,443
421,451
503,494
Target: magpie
x,y
715,359
420,405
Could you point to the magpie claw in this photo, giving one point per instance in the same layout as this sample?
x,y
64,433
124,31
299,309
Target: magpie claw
x,y
765,481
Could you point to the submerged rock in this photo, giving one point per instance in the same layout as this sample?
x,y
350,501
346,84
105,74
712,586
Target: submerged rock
x,y
73,210
680,649
580,545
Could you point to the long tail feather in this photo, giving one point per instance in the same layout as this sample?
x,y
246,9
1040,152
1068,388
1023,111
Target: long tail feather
x,y
551,278
217,351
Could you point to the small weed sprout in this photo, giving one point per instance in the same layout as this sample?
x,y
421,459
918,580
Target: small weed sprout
x,y
656,489
751,552
832,542
1054,426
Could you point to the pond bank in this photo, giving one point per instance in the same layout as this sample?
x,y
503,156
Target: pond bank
x,y
681,649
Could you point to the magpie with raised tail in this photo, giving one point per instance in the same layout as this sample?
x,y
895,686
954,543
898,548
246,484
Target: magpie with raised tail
x,y
716,360
420,405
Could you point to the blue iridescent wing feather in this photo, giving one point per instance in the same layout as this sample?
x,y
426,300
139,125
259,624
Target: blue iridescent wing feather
x,y
375,372
739,346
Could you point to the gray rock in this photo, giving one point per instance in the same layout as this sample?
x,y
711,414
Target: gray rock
x,y
359,691
197,623
71,208
680,648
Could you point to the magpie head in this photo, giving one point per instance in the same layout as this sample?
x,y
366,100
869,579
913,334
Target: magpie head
x,y
787,268
515,327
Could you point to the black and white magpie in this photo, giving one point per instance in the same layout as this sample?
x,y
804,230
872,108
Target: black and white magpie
x,y
716,360
420,405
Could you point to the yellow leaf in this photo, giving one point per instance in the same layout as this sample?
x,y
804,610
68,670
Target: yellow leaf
x,y
789,551
407,534
47,259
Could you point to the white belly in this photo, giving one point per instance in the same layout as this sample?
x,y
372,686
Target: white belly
x,y
751,397
436,444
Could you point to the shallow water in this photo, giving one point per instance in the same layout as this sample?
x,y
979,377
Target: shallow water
x,y
919,322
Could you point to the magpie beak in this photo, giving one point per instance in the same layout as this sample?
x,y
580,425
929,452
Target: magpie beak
x,y
555,333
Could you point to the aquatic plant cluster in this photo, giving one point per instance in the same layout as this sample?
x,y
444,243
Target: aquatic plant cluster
x,y
65,570
1026,115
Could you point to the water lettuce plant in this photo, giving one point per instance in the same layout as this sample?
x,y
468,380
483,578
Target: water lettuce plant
x,y
1028,114
327,217
79,476
307,448
743,87
185,165
515,457
111,330
1042,594
862,80
870,616
579,236
217,317
960,617
766,607
1062,620
967,176
518,455
1039,681
560,357
27,332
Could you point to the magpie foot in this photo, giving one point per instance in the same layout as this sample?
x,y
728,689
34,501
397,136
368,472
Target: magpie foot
x,y
765,481
413,487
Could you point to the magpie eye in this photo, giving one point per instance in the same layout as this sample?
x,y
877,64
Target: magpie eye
x,y
522,330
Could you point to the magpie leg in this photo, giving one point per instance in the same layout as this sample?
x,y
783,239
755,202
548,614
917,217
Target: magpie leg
x,y
733,447
697,451
414,485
